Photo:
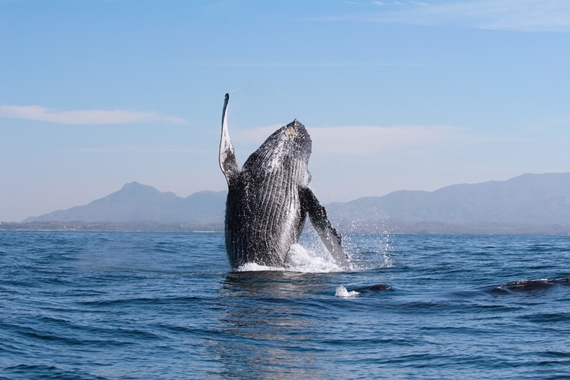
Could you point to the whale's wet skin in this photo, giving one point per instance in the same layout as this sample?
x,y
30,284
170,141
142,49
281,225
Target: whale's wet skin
x,y
269,199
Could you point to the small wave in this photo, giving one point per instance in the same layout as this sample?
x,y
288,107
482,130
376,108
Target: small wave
x,y
531,285
41,371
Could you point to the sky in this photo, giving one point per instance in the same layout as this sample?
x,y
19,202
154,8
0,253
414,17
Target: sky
x,y
396,95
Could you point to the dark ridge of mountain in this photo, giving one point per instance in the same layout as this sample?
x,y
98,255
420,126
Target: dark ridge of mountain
x,y
141,203
530,202
112,226
392,228
529,199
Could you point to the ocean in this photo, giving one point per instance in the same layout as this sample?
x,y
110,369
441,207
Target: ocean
x,y
117,305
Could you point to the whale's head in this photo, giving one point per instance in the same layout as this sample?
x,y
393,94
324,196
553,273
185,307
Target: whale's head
x,y
291,141
287,150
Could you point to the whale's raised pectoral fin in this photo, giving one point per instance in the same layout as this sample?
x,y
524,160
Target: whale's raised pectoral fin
x,y
318,215
228,162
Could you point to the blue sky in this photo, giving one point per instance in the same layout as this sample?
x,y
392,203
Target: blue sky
x,y
395,94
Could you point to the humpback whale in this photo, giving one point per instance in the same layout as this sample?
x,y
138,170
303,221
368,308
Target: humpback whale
x,y
269,199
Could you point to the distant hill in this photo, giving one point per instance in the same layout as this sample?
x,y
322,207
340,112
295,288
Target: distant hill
x,y
530,203
141,203
529,200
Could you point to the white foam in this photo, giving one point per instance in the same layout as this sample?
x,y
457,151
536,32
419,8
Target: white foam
x,y
341,292
254,267
298,259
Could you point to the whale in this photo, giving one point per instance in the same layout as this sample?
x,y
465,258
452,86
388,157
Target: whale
x,y
269,199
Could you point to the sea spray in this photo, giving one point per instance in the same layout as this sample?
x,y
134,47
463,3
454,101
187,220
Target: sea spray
x,y
369,251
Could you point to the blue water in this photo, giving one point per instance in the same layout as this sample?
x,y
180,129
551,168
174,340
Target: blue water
x,y
96,305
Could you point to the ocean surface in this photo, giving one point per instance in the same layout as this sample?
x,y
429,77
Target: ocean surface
x,y
99,305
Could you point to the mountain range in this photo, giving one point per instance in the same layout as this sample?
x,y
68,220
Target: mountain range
x,y
141,203
526,200
526,203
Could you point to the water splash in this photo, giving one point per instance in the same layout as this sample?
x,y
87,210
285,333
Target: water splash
x,y
369,251
365,251
299,259
254,267
341,292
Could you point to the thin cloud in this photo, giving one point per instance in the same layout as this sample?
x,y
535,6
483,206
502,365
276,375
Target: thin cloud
x,y
367,140
371,140
363,140
84,116
514,15
138,149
